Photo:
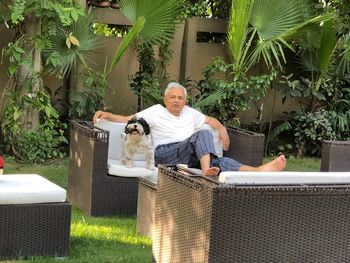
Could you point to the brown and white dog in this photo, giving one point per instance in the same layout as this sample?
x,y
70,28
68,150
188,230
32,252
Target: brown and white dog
x,y
136,139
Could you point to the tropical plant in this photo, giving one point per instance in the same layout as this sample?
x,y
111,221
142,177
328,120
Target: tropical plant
x,y
262,28
71,49
29,115
224,99
154,23
33,21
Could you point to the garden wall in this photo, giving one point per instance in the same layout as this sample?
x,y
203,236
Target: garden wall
x,y
188,59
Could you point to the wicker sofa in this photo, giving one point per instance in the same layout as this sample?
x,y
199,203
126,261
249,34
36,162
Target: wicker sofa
x,y
98,193
202,220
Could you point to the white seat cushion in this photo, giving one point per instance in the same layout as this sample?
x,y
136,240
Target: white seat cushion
x,y
284,178
117,169
29,189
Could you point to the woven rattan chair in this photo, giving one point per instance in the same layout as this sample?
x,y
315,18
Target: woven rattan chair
x,y
199,220
335,156
99,194
90,187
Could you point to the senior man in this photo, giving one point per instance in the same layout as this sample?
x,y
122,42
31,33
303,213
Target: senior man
x,y
178,140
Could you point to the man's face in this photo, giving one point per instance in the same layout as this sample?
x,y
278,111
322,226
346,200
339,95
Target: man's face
x,y
175,101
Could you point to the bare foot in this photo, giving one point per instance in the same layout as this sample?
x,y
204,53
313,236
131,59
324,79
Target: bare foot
x,y
276,165
212,171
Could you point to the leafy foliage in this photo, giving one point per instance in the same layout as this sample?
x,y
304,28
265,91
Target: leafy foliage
x,y
310,129
62,54
225,98
85,103
33,146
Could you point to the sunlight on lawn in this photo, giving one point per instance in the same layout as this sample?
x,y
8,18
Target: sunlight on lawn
x,y
110,233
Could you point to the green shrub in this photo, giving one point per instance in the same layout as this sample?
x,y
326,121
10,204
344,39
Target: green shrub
x,y
310,129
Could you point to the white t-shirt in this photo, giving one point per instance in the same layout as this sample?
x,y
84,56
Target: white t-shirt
x,y
168,128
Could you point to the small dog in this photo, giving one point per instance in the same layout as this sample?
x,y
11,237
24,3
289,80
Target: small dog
x,y
136,139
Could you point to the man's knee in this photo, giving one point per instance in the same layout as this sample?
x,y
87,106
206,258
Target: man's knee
x,y
205,134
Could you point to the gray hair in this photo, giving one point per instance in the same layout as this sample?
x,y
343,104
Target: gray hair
x,y
173,85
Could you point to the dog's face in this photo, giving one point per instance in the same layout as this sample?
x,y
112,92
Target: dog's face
x,y
137,126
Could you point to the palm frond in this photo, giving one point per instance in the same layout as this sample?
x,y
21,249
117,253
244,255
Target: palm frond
x,y
161,17
272,52
66,58
272,49
344,65
127,40
209,101
238,24
328,44
272,18
285,126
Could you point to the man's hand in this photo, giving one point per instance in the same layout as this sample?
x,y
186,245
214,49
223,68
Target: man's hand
x,y
223,137
100,115
110,116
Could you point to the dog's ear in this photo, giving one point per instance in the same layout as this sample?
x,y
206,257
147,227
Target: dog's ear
x,y
126,128
145,126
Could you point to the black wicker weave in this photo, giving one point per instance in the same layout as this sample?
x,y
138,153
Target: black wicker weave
x,y
335,156
28,230
198,220
89,185
246,147
146,207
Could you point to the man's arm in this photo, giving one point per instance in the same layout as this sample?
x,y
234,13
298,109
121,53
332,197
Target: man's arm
x,y
111,117
223,136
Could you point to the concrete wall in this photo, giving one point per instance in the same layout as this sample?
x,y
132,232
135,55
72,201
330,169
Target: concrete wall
x,y
196,55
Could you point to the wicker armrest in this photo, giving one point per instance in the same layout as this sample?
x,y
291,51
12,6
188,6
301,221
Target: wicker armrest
x,y
88,151
246,146
335,156
90,140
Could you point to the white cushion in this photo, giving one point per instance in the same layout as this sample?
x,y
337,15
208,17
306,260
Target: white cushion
x,y
117,169
29,189
152,178
284,178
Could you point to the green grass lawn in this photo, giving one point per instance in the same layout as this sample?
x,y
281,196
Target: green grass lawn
x,y
112,239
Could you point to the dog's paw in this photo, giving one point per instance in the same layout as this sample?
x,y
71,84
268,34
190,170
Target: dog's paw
x,y
129,164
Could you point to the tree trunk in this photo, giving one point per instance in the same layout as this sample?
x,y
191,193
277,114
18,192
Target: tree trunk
x,y
29,81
